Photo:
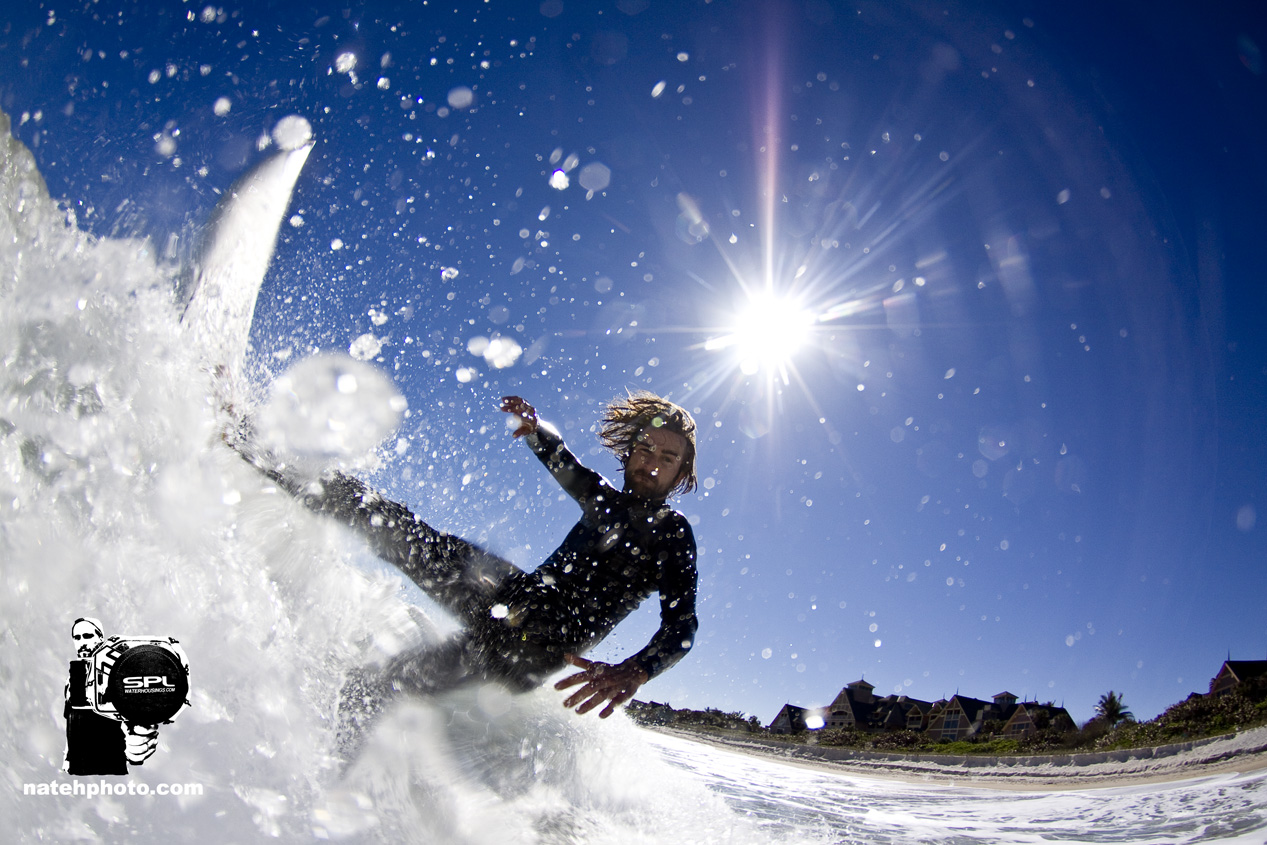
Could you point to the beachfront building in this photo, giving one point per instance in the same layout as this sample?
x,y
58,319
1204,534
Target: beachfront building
x,y
903,713
961,718
853,707
918,713
1029,717
1236,672
651,712
793,719
964,717
856,707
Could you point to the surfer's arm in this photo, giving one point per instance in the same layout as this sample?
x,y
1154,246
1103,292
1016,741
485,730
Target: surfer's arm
x,y
677,588
578,481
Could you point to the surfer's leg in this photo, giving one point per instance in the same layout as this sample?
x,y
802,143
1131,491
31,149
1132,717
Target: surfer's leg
x,y
458,574
370,691
505,656
362,700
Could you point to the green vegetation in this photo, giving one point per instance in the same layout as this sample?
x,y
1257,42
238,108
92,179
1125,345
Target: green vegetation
x,y
1112,710
1113,728
711,718
1199,716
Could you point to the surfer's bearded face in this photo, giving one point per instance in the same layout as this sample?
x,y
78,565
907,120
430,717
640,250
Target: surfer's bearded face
x,y
654,466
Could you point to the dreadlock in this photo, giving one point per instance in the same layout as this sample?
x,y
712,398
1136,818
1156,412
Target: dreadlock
x,y
626,418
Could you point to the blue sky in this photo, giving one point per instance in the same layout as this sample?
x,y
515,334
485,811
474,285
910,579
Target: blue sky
x,y
1011,439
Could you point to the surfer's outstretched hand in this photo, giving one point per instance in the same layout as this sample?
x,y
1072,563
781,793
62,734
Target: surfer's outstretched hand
x,y
603,682
526,413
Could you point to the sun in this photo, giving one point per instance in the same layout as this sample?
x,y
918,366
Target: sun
x,y
766,334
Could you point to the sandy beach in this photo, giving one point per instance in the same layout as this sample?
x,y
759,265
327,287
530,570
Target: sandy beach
x,y
1234,754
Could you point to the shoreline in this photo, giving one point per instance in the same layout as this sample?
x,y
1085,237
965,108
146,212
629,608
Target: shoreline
x,y
1239,753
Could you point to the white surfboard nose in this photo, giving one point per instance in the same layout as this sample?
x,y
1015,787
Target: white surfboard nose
x,y
219,291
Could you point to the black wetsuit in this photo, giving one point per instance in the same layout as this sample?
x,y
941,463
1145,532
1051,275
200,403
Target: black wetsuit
x,y
519,625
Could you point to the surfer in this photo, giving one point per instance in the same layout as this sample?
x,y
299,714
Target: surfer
x,y
520,627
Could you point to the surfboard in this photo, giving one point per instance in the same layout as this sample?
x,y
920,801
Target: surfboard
x,y
216,294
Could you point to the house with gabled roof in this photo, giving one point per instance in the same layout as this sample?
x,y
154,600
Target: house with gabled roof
x,y
793,719
959,717
963,716
901,713
1029,717
853,707
857,707
1236,672
918,714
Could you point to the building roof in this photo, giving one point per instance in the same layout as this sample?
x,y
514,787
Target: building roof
x,y
797,716
1243,670
970,706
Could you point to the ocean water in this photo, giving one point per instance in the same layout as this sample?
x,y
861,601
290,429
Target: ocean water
x,y
791,801
118,501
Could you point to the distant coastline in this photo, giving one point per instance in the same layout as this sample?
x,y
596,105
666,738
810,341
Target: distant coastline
x,y
1241,752
864,731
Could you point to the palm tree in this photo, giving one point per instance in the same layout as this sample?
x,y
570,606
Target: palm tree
x,y
1113,710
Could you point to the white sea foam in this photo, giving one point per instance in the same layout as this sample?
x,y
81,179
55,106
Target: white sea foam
x,y
847,808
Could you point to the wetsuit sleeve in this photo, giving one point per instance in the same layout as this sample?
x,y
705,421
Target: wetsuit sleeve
x,y
576,479
677,585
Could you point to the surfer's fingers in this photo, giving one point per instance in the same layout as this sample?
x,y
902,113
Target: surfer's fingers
x,y
613,690
516,405
577,697
597,691
525,413
589,671
617,700
587,676
595,700
587,691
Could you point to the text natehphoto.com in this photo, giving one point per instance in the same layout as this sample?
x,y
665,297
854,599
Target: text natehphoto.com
x,y
105,787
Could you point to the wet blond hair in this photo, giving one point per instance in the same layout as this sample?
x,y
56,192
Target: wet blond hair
x,y
625,418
